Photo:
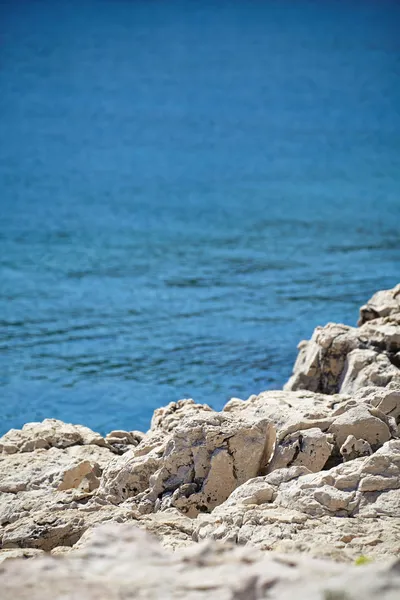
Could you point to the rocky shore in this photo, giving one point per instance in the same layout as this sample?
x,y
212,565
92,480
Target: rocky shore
x,y
279,496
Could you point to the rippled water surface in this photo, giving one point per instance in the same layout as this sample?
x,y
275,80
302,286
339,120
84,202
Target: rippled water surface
x,y
187,190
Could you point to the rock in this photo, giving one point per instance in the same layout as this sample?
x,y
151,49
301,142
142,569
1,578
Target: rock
x,y
311,428
59,523
122,441
363,423
196,465
120,561
353,448
19,553
310,448
295,510
37,485
303,470
341,491
170,527
364,368
51,433
385,400
342,359
168,417
50,468
189,462
382,304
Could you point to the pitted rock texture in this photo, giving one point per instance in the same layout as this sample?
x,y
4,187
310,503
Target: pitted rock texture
x,y
194,466
295,510
123,562
343,359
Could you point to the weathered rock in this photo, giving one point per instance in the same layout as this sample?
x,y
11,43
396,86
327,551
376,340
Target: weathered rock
x,y
191,460
51,468
382,304
50,433
353,448
289,470
367,486
59,523
341,359
168,417
310,448
363,423
295,510
170,527
195,467
311,428
19,553
122,441
122,562
36,485
364,368
385,400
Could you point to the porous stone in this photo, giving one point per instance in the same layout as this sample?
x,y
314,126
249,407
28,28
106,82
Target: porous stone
x,y
194,466
292,509
353,448
343,359
51,433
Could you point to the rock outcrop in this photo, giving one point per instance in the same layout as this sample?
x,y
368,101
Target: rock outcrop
x,y
343,359
311,470
382,304
191,461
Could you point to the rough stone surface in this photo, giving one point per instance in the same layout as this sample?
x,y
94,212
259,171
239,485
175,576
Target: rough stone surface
x,y
194,466
51,433
343,359
353,448
122,562
382,304
295,510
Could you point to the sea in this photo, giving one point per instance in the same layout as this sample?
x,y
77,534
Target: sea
x,y
187,189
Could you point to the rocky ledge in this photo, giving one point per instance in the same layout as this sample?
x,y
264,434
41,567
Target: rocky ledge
x,y
274,497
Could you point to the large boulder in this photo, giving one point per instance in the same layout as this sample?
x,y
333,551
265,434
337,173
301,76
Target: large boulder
x,y
193,465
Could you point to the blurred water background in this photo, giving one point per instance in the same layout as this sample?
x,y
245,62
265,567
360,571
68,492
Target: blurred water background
x,y
186,190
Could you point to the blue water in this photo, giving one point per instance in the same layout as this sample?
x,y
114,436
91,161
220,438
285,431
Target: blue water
x,y
187,189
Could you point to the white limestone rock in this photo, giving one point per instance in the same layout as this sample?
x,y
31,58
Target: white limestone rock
x,y
353,448
342,359
382,304
295,510
194,467
50,433
51,468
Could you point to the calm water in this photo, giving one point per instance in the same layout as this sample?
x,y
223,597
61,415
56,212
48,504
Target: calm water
x,y
187,189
